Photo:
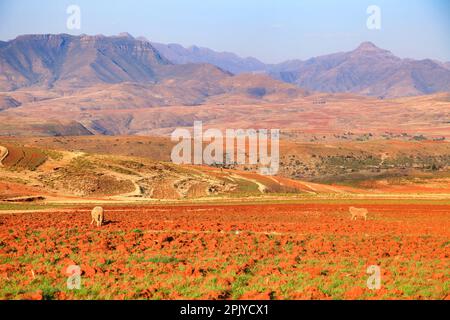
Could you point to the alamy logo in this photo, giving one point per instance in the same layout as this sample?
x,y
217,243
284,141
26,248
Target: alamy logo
x,y
74,279
374,19
374,281
74,19
192,150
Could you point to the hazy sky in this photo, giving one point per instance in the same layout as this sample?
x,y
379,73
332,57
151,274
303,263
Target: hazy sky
x,y
271,30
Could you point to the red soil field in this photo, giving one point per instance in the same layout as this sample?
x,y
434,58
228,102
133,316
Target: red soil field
x,y
272,251
22,157
11,190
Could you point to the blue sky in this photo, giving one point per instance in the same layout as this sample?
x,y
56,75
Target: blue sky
x,y
270,30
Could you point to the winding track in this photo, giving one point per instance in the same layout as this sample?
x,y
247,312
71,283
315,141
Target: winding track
x,y
3,154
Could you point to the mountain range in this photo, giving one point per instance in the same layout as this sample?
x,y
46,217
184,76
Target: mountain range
x,y
68,63
367,70
225,60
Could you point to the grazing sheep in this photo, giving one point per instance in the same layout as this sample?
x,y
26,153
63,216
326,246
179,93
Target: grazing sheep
x,y
98,216
358,212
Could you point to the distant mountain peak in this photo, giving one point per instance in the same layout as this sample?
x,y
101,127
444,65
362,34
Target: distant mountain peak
x,y
367,70
125,35
368,46
142,38
370,49
195,48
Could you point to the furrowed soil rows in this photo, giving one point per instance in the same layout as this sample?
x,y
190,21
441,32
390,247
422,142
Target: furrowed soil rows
x,y
274,251
24,158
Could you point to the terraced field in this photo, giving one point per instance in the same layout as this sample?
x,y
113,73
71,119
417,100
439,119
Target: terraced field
x,y
24,158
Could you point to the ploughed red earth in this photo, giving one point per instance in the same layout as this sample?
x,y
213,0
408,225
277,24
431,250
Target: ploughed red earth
x,y
263,251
